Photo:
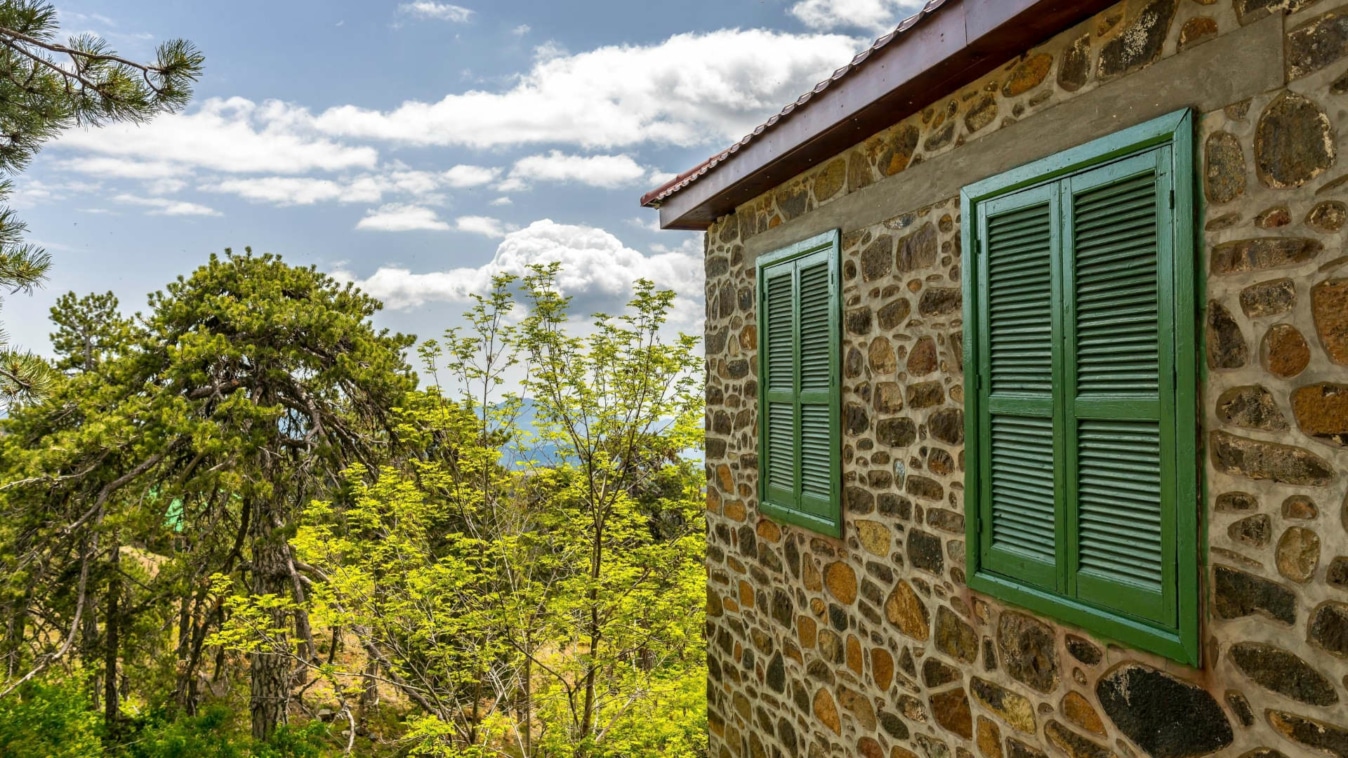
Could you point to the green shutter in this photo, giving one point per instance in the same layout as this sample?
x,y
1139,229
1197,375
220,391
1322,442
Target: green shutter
x,y
1016,393
1120,462
800,325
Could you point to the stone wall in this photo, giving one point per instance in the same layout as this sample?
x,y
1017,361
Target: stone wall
x,y
873,645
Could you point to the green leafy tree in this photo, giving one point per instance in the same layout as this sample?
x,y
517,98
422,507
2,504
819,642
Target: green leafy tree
x,y
46,87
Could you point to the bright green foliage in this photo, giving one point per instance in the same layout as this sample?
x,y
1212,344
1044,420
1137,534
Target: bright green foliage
x,y
89,330
50,719
45,88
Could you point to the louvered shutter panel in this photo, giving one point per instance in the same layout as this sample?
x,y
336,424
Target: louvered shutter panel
x,y
818,413
1120,463
780,382
1018,236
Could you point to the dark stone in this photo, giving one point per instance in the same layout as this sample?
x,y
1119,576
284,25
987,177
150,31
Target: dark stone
x,y
925,395
1017,749
1267,460
1164,716
877,260
924,488
792,201
1283,672
947,426
896,432
1074,67
859,500
855,363
783,610
859,321
1255,531
1084,650
898,149
893,315
1140,44
989,655
1073,744
1243,256
1241,707
954,637
893,725
1249,11
940,137
981,113
1236,502
1316,44
917,250
1321,411
1329,628
936,673
1237,594
1028,651
776,675
1337,573
923,359
1227,347
855,419
946,521
1293,143
924,552
895,506
939,301
1251,407
786,734
1225,168
1317,735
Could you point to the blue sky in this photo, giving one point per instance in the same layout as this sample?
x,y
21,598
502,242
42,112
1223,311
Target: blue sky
x,y
417,147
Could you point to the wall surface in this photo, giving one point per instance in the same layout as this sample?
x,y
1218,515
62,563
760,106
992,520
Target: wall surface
x,y
872,645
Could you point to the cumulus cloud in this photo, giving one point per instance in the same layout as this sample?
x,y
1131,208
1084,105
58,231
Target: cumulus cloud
x,y
161,206
597,270
402,218
438,11
870,15
486,226
690,89
463,177
606,171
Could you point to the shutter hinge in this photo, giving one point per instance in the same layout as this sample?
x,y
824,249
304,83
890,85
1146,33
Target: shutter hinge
x,y
1172,200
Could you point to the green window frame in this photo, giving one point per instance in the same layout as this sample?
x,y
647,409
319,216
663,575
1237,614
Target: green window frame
x,y
1080,372
799,377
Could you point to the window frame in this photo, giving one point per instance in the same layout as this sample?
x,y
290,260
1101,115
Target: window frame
x,y
829,242
1176,130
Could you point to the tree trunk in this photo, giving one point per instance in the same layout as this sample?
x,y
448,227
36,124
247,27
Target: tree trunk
x,y
269,671
112,711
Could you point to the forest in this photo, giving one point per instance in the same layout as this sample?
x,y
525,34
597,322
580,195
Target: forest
x,y
245,521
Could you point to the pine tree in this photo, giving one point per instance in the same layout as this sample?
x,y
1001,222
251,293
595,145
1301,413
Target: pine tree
x,y
46,87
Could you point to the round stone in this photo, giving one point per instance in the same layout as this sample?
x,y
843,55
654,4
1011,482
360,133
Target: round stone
x,y
1299,508
1225,168
1327,217
881,357
1250,407
1143,703
1298,554
1283,672
1268,298
841,581
1285,351
1028,74
1273,218
1293,142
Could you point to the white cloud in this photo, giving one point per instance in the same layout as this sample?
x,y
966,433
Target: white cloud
x,y
607,171
439,11
463,177
521,30
690,89
870,15
596,268
402,218
484,225
232,135
161,206
294,190
502,201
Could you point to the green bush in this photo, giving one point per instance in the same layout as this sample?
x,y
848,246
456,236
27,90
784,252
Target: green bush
x,y
49,720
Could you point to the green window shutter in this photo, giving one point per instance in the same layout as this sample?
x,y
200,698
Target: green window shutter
x,y
1119,348
1016,393
800,328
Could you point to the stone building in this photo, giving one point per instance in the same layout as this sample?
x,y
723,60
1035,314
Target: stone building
x,y
1027,390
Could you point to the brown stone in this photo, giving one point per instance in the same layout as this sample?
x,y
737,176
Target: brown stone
x,y
877,260
1337,573
1293,142
1299,508
826,711
1225,161
792,201
1224,221
881,357
841,581
940,301
896,432
1321,737
1283,672
882,668
925,395
874,537
1028,650
1072,744
951,711
1328,217
937,673
1236,502
855,659
897,149
1298,554
1316,44
1197,29
1267,460
892,315
1075,65
924,551
1329,305
869,748
922,359
905,610
1321,411
940,138
1140,44
947,426
989,738
1249,11
830,181
1016,710
1028,74
1329,628
1285,351
1255,531
1078,710
806,631
1226,343
1250,407
954,637
1268,298
1017,749
1273,218
888,397
1260,254
981,113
